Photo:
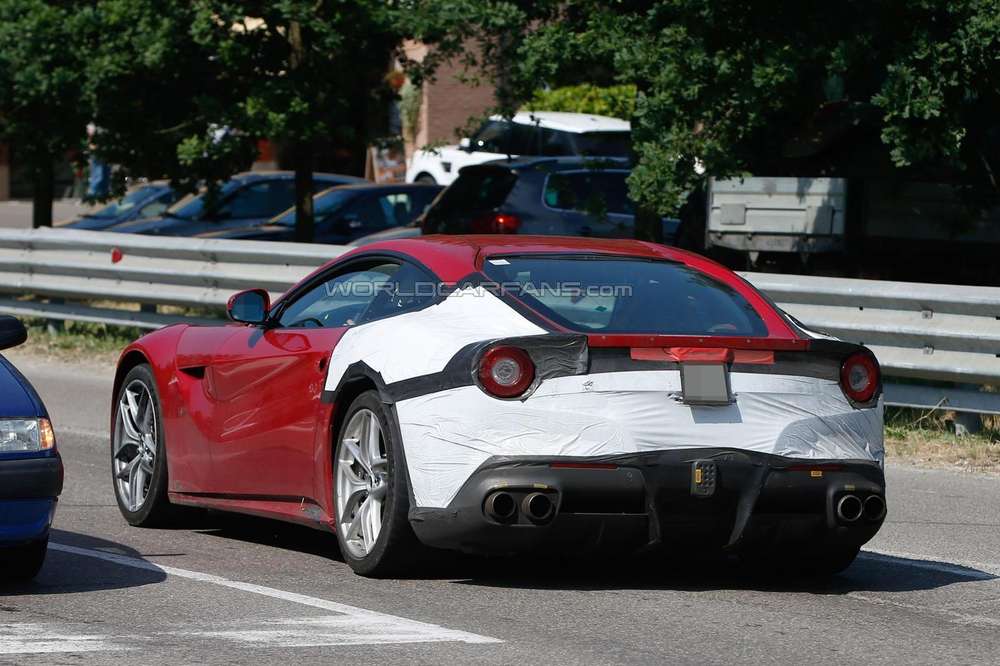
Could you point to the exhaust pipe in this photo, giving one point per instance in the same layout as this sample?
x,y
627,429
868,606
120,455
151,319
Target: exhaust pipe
x,y
500,506
849,508
874,508
538,507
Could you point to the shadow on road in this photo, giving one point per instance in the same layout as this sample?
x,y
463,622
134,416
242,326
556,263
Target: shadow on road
x,y
70,573
870,573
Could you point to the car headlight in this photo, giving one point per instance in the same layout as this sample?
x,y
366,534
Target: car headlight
x,y
22,435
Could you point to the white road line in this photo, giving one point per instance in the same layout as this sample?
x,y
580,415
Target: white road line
x,y
973,570
386,628
80,432
33,638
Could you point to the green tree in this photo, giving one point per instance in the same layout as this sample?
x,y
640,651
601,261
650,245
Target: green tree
x,y
301,73
41,84
853,87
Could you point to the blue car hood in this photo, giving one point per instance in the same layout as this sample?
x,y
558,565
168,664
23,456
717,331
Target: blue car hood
x,y
17,397
94,223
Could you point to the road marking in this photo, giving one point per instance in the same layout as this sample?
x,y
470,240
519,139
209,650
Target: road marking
x,y
973,570
385,628
32,638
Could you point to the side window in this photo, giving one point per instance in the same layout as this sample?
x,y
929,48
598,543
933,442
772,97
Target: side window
x,y
339,301
263,199
399,208
365,212
154,208
555,143
524,139
493,137
409,289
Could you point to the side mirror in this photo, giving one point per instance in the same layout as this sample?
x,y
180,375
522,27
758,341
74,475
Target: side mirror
x,y
12,332
249,307
465,144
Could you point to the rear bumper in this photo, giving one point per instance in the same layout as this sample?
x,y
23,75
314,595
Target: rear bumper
x,y
28,491
638,500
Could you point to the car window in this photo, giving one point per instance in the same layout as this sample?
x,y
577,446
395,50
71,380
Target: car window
x,y
366,210
474,191
524,139
400,208
626,295
123,205
154,209
603,144
594,192
410,288
339,301
262,199
494,137
555,143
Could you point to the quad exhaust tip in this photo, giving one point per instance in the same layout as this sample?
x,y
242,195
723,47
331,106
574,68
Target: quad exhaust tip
x,y
538,507
849,508
501,507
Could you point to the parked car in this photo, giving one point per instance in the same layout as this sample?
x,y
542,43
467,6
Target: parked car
x,y
548,133
345,213
140,203
502,394
246,199
565,196
31,472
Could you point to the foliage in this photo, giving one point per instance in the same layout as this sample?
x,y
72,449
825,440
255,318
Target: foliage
x,y
41,82
855,87
411,99
614,101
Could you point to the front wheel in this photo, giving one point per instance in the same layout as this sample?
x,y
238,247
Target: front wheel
x,y
371,492
22,563
426,179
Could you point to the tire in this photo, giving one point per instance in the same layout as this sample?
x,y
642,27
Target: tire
x,y
22,563
386,491
425,178
152,508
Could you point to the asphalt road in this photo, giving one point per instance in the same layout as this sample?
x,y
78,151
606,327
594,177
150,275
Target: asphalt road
x,y
230,589
17,214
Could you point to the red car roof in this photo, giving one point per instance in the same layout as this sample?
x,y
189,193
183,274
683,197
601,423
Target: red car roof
x,y
454,257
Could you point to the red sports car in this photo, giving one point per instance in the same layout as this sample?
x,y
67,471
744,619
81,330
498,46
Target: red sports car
x,y
501,394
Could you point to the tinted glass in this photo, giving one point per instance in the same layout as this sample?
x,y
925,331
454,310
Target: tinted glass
x,y
604,144
494,137
323,204
594,192
525,140
622,295
263,199
339,301
408,289
192,205
128,202
367,211
475,190
555,143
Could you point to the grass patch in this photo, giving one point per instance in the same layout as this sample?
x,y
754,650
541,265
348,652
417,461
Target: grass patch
x,y
78,341
927,439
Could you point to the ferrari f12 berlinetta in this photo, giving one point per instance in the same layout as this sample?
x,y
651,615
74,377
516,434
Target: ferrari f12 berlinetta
x,y
502,394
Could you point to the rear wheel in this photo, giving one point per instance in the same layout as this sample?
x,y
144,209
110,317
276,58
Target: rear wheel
x,y
23,562
138,458
371,492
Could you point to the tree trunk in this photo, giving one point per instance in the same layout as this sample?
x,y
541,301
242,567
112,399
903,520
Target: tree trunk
x,y
648,225
41,202
305,228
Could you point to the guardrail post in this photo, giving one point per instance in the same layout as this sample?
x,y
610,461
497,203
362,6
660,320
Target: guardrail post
x,y
55,326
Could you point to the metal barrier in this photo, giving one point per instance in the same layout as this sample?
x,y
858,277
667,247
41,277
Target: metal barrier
x,y
924,332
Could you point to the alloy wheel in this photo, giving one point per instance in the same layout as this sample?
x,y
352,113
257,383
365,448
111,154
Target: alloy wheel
x,y
135,445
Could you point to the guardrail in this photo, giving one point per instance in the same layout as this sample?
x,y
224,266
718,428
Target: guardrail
x,y
939,333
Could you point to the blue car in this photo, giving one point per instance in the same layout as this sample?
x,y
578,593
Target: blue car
x,y
31,471
245,200
140,203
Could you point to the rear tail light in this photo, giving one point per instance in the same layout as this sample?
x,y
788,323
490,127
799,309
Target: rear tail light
x,y
506,372
495,223
860,376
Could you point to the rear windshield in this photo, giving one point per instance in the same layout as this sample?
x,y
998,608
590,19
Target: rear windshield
x,y
594,192
625,295
474,191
